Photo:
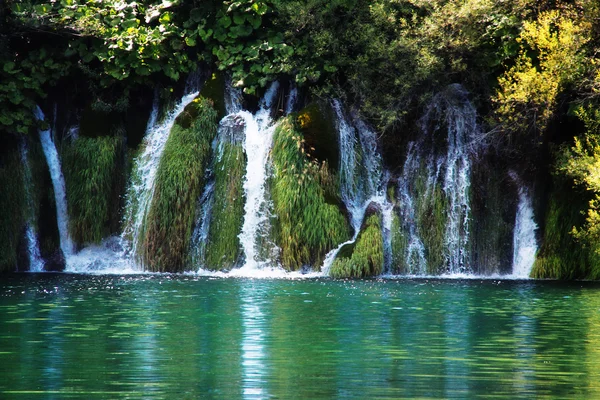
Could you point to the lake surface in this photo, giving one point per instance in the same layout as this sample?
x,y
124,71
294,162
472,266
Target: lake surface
x,y
185,337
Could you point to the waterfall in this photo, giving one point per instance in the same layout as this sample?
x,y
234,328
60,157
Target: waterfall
x,y
141,191
292,99
415,253
524,239
432,164
362,181
457,180
257,145
58,183
36,263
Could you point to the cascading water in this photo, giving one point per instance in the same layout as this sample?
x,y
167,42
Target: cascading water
x,y
415,261
430,165
457,180
58,183
292,99
257,145
36,263
362,181
434,168
524,238
139,196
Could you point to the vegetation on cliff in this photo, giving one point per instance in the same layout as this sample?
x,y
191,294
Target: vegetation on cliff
x,y
309,221
179,184
532,67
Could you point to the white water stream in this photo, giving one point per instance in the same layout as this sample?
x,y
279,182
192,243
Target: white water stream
x,y
141,192
58,183
362,181
36,263
525,245
259,129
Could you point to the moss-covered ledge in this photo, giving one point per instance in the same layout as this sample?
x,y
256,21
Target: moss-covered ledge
x,y
309,220
179,182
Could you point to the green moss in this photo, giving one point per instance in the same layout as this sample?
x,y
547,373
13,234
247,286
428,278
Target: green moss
x,y
561,256
95,180
223,248
179,183
214,89
431,217
493,204
12,209
399,247
367,255
309,222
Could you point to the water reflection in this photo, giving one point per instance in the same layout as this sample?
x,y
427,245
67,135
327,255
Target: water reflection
x,y
116,337
253,340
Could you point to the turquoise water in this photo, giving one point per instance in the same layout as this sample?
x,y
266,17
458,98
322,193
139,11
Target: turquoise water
x,y
184,337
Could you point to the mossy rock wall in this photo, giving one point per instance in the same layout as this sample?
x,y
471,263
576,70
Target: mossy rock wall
x,y
305,198
223,249
399,239
179,183
560,255
94,170
494,206
12,206
316,122
431,210
366,258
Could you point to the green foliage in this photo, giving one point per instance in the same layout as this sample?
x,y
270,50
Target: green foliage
x,y
309,221
94,178
179,183
581,163
223,249
560,255
366,258
12,209
551,58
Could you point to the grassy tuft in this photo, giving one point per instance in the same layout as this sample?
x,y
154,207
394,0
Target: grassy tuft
x,y
431,216
179,183
366,258
223,248
94,177
309,221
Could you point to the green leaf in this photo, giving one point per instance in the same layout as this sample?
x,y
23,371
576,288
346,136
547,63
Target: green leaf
x,y
191,42
9,66
238,19
260,8
196,15
165,18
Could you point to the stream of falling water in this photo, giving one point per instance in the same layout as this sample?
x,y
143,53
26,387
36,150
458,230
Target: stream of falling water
x,y
259,129
36,263
524,237
58,183
362,181
139,196
448,168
